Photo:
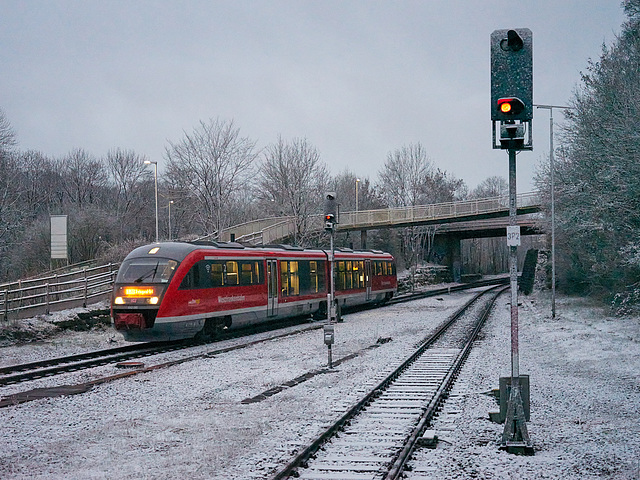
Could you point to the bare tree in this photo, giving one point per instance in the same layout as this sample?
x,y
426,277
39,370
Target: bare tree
x,y
7,134
292,181
83,176
40,181
409,178
130,181
211,165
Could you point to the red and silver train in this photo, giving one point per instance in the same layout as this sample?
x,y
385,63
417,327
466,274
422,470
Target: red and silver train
x,y
172,291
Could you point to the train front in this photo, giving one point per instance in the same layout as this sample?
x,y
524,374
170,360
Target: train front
x,y
140,290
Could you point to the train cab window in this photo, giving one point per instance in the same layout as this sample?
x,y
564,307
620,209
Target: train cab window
x,y
146,270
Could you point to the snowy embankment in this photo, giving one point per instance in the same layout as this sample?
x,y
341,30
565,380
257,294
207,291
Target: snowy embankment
x,y
189,421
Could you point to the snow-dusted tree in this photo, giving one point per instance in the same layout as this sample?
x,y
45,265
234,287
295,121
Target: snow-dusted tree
x,y
292,182
212,167
598,171
491,187
409,178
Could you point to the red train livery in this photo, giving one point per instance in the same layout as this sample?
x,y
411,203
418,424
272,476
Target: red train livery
x,y
172,291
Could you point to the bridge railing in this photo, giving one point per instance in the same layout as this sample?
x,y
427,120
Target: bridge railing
x,y
273,229
439,211
26,298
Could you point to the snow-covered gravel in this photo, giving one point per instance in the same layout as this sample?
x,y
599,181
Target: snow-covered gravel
x,y
188,421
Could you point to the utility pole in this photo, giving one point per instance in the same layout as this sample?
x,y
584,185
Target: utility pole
x,y
553,205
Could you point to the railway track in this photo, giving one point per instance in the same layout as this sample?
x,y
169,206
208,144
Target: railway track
x,y
47,368
375,438
14,374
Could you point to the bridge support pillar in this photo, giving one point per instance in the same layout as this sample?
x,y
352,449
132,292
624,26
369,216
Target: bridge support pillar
x,y
448,251
363,239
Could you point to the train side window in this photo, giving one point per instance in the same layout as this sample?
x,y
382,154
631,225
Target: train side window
x,y
314,277
322,277
358,271
294,279
340,277
246,273
231,273
217,274
284,277
289,278
250,273
188,281
196,277
349,275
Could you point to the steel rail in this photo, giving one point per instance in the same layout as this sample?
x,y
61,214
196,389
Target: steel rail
x,y
301,460
399,463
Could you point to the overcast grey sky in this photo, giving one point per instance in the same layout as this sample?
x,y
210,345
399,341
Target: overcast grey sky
x,y
358,79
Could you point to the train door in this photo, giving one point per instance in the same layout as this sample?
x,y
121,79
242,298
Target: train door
x,y
367,277
272,287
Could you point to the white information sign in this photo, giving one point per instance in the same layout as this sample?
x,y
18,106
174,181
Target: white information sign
x,y
59,236
513,236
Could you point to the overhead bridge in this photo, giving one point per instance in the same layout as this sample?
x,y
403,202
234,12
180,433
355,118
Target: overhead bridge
x,y
468,218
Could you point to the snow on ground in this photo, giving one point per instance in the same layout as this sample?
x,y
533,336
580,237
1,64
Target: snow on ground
x,y
188,421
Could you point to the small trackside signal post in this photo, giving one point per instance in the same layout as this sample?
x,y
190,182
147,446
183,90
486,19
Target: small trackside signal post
x,y
511,115
330,220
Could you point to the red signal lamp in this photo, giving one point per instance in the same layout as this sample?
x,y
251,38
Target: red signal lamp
x,y
510,106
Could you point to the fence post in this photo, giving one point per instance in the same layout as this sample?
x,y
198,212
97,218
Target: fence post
x,y
84,303
46,286
6,305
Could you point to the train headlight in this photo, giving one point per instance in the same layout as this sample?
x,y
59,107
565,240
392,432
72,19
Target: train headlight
x,y
138,295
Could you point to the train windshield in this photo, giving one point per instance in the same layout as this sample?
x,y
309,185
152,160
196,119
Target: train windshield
x,y
146,270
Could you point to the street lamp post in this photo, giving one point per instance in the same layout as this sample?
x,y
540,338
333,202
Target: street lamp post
x,y
553,206
155,176
357,183
170,202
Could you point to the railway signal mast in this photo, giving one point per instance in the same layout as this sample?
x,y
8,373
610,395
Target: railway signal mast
x,y
330,220
511,115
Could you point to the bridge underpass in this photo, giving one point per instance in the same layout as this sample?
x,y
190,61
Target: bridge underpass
x,y
453,222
